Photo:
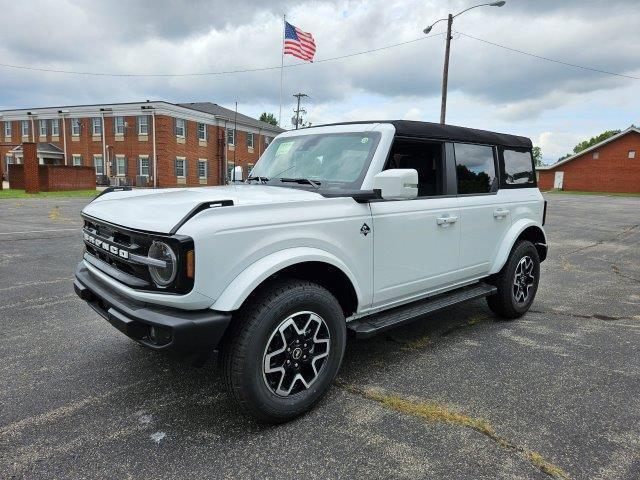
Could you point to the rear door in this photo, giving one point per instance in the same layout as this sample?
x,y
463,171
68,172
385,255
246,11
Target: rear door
x,y
485,211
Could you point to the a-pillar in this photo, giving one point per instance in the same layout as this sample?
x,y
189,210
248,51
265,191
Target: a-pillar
x,y
31,167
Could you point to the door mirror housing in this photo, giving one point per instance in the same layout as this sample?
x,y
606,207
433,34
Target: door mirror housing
x,y
397,184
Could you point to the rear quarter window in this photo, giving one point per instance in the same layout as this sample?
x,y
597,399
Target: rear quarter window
x,y
517,168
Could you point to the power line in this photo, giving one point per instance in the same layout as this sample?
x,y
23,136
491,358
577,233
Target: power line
x,y
224,72
322,60
553,60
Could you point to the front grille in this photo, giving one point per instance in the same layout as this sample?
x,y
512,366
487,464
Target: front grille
x,y
124,242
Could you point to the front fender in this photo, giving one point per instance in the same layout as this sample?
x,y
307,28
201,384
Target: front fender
x,y
246,282
509,239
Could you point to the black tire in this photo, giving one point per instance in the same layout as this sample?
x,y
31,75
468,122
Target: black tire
x,y
504,302
254,329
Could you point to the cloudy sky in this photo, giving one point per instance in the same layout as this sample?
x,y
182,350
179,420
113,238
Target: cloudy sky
x,y
489,87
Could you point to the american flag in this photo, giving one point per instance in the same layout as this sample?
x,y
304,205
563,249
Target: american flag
x,y
298,43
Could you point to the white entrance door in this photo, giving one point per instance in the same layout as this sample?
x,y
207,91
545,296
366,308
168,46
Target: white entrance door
x,y
557,180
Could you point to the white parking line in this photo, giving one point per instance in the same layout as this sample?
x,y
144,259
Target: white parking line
x,y
43,231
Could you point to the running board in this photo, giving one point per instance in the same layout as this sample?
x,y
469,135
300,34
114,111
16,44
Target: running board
x,y
379,322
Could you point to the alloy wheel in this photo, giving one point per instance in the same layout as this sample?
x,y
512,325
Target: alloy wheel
x,y
524,279
296,353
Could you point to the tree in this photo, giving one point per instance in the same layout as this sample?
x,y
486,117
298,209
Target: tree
x,y
590,143
268,118
537,156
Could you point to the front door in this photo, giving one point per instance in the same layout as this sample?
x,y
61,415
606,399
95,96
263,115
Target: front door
x,y
557,180
415,241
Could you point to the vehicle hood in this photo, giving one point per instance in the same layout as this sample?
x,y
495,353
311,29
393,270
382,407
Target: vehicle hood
x,y
161,210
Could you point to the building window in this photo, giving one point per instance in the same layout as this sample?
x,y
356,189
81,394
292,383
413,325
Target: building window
x,y
180,168
250,140
7,129
267,141
75,127
119,125
42,124
202,169
98,164
249,168
77,160
632,154
143,166
202,131
24,124
231,136
121,165
55,127
96,123
143,125
595,155
180,128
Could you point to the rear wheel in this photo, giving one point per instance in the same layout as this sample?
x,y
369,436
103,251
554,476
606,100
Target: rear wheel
x,y
284,349
517,282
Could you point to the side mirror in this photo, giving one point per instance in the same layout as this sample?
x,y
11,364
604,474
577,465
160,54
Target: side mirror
x,y
397,183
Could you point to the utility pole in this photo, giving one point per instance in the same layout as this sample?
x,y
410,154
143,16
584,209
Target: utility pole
x,y
298,110
445,71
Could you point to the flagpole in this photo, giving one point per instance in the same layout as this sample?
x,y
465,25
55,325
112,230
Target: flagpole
x,y
284,26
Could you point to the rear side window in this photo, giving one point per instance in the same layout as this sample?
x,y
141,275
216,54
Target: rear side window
x,y
517,168
475,168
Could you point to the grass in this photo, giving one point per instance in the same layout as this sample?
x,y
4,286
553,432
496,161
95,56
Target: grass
x,y
13,193
434,412
578,192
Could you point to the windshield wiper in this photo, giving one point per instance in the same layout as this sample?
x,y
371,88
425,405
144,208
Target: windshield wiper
x,y
259,179
313,183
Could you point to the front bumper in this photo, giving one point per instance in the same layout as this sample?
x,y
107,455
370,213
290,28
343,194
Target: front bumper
x,y
180,332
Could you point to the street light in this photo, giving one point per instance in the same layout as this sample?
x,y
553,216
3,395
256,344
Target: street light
x,y
445,72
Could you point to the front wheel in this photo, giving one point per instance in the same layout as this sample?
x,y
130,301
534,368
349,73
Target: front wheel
x,y
284,349
517,282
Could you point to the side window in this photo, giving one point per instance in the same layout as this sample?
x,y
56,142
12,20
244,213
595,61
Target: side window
x,y
475,168
426,158
517,168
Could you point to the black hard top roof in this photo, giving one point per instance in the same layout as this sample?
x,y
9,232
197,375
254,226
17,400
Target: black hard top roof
x,y
436,131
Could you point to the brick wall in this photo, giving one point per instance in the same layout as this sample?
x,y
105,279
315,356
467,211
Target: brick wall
x,y
613,171
31,170
55,178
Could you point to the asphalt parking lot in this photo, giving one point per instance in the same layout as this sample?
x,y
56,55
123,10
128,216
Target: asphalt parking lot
x,y
455,395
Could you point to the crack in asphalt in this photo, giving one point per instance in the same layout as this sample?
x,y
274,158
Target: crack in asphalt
x,y
616,269
434,412
595,316
625,231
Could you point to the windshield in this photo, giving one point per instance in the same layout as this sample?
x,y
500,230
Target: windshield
x,y
332,160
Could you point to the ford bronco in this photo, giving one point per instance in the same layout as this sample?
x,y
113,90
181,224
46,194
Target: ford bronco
x,y
346,228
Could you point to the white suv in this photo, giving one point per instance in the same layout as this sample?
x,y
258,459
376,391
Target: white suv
x,y
340,228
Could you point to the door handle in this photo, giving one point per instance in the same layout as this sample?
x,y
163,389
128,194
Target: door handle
x,y
500,213
446,220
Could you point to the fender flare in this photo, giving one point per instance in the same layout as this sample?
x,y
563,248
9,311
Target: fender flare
x,y
248,280
508,241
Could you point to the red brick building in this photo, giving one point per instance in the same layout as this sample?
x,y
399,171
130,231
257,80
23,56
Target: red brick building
x,y
612,165
143,144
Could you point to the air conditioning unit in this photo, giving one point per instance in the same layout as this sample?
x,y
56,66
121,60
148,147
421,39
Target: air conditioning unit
x,y
142,181
120,181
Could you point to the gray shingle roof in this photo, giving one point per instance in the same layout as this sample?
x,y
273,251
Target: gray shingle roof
x,y
43,147
215,109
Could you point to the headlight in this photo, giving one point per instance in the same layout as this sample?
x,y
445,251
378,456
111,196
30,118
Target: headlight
x,y
163,276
